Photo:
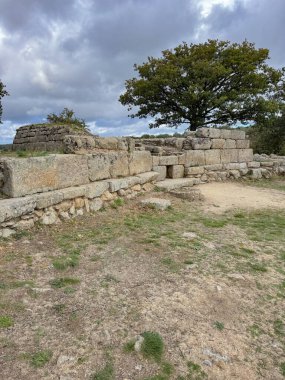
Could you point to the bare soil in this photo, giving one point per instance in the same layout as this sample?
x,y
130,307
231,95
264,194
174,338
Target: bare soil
x,y
209,277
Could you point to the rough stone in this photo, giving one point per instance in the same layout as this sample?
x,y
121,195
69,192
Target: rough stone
x,y
13,208
24,224
213,167
6,232
73,192
253,164
155,160
50,217
122,183
160,204
181,159
255,173
200,143
48,199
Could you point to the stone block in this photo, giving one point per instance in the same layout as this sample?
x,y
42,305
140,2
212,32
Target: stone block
x,y
119,164
237,134
255,173
218,143
12,208
96,189
181,159
175,171
213,167
170,184
122,183
162,171
229,155
155,160
195,158
243,144
73,192
157,203
245,155
108,143
99,166
198,143
235,166
225,134
194,170
39,174
48,199
212,156
202,132
140,162
168,160
230,144
96,204
234,173
253,164
267,163
147,177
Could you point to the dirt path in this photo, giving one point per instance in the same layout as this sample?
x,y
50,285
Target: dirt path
x,y
220,197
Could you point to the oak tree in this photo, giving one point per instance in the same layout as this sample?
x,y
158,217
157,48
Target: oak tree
x,y
212,83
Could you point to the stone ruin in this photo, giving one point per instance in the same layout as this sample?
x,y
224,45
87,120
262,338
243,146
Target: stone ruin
x,y
95,171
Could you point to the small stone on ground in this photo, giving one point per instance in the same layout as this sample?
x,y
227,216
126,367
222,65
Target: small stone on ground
x,y
158,203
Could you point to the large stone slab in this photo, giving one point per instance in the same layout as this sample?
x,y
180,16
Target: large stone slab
x,y
147,177
122,183
170,184
25,176
12,208
140,162
108,165
198,143
195,158
168,160
158,203
175,171
213,133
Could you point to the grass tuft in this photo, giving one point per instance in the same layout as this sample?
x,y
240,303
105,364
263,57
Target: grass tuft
x,y
63,282
5,321
152,346
107,373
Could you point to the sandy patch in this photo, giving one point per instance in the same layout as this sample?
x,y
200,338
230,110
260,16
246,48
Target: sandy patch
x,y
220,197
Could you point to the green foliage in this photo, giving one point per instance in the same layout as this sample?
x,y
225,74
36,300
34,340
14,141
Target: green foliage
x,y
117,203
63,282
107,373
194,372
3,93
5,321
152,346
216,82
67,116
219,325
282,368
269,136
129,346
40,358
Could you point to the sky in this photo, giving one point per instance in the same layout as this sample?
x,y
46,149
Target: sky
x,y
78,53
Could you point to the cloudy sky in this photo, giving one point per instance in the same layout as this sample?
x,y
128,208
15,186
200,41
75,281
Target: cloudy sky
x,y
78,53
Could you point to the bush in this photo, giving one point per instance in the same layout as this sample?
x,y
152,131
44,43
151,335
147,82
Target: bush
x,y
67,117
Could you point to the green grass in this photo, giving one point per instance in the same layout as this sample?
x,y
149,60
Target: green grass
x,y
194,372
171,264
279,328
107,373
6,321
282,369
255,331
273,183
129,346
64,282
214,223
39,359
152,346
117,203
219,325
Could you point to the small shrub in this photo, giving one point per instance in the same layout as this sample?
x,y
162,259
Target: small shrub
x,y
117,203
5,321
152,346
67,116
195,372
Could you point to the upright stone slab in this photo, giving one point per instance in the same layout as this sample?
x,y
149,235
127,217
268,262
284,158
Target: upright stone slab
x,y
39,174
245,155
229,155
212,156
140,162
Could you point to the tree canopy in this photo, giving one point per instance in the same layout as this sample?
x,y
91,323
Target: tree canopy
x,y
3,93
212,83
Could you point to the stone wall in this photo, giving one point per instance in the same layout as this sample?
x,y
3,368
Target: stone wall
x,y
56,187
